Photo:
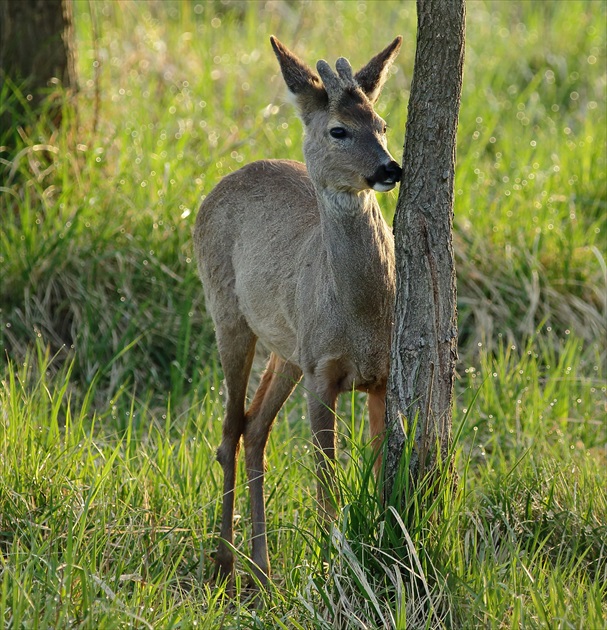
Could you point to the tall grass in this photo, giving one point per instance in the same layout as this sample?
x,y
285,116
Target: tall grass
x,y
109,519
111,392
100,256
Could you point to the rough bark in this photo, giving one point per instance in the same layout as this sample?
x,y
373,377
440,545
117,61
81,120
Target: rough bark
x,y
424,341
37,44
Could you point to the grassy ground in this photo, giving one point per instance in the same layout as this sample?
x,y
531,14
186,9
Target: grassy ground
x,y
111,398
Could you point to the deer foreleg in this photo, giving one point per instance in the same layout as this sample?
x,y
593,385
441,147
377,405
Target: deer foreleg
x,y
321,405
377,423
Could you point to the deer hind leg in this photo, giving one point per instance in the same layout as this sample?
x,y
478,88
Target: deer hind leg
x,y
236,345
277,382
321,407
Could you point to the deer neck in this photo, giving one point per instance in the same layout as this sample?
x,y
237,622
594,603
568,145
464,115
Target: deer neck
x,y
359,249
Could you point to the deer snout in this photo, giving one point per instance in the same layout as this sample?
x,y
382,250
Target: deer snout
x,y
385,177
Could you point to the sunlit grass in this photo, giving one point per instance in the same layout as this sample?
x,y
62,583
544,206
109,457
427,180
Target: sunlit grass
x,y
111,515
111,393
194,92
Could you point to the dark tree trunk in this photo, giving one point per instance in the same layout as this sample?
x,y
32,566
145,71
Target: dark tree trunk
x,y
424,342
37,44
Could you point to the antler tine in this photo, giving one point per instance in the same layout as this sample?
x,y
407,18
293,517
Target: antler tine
x,y
344,69
329,78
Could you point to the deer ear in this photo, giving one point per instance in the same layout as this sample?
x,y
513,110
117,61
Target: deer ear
x,y
371,77
303,83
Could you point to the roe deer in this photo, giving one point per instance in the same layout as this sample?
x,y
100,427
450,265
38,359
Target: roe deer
x,y
300,257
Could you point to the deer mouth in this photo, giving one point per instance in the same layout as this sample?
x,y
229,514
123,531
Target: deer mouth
x,y
383,186
385,177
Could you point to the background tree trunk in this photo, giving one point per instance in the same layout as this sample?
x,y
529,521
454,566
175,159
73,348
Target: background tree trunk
x,y
424,342
37,44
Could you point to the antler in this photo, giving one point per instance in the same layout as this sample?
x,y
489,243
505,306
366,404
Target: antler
x,y
344,69
334,83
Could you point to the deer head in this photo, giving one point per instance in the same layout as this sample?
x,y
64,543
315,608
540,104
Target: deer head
x,y
345,139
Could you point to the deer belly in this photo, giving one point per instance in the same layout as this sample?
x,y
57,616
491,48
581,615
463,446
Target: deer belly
x,y
270,324
276,338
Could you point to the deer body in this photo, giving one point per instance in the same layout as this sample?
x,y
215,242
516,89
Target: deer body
x,y
302,259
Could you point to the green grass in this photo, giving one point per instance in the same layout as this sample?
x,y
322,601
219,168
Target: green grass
x,y
110,394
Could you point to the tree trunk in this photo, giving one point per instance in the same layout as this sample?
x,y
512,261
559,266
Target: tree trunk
x,y
37,44
424,341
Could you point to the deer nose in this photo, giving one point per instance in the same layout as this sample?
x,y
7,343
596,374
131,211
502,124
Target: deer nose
x,y
385,177
392,172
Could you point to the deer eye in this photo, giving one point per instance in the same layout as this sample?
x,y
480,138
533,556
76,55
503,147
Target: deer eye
x,y
338,132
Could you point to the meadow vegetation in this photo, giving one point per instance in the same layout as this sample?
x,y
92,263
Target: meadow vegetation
x,y
111,390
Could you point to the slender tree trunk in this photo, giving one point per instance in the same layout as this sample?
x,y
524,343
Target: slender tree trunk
x,y
37,44
424,341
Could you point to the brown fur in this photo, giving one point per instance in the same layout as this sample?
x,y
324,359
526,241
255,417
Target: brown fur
x,y
302,259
